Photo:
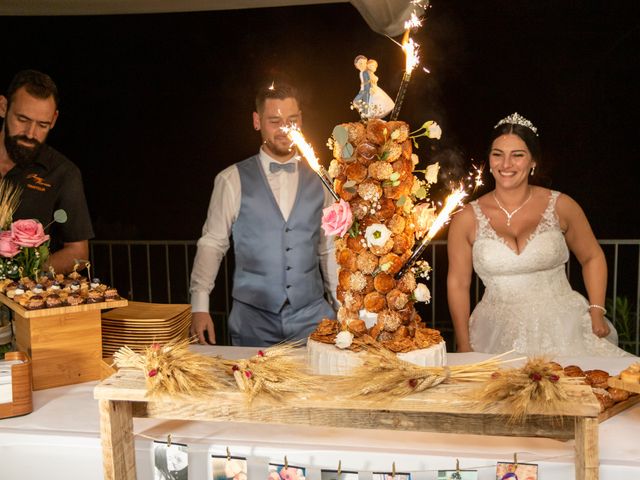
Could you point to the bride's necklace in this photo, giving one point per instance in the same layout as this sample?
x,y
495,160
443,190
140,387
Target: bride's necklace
x,y
511,214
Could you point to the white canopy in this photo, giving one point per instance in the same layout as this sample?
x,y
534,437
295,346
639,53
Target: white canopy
x,y
383,16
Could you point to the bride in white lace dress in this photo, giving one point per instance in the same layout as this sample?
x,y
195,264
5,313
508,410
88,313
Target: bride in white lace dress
x,y
517,238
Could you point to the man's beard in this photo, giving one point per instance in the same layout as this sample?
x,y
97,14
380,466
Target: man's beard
x,y
20,154
278,148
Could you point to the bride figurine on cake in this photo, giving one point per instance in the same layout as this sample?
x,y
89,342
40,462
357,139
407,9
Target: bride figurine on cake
x,y
517,238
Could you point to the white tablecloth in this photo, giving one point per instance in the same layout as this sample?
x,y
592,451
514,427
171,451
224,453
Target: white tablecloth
x,y
60,440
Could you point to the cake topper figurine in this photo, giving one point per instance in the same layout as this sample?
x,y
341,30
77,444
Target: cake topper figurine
x,y
371,101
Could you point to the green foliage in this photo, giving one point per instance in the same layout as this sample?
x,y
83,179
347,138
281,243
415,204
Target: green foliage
x,y
624,321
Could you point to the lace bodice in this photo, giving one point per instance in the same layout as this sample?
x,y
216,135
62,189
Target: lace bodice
x,y
528,302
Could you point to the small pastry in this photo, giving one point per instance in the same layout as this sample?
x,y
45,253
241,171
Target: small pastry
x,y
617,394
94,296
10,289
38,289
346,316
366,153
396,224
357,327
390,263
398,130
74,299
396,299
383,283
384,249
631,374
377,131
53,300
374,302
357,282
391,320
111,294
407,283
380,170
356,172
370,190
573,371
347,258
367,262
597,378
352,300
35,302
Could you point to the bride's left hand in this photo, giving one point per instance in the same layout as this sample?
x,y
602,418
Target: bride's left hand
x,y
599,325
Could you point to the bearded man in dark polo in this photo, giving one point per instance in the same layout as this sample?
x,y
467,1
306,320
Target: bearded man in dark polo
x,y
48,179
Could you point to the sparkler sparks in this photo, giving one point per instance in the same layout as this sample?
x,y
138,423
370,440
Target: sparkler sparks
x,y
413,22
296,136
453,201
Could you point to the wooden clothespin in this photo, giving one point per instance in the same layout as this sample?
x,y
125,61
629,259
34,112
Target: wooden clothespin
x,y
286,462
393,470
339,467
228,454
515,460
457,465
168,440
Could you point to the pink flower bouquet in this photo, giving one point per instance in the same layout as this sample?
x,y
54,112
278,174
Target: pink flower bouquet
x,y
24,248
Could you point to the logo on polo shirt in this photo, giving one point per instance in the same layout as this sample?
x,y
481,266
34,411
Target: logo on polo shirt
x,y
38,182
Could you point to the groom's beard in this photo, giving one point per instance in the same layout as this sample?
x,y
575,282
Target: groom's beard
x,y
21,155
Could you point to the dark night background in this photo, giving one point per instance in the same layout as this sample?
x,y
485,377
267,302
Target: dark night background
x,y
153,106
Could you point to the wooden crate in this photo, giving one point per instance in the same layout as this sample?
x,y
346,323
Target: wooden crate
x,y
443,409
21,387
64,343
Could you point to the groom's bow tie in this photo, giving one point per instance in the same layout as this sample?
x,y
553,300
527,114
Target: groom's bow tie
x,y
287,167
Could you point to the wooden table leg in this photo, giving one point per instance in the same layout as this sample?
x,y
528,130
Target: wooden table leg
x,y
116,434
587,456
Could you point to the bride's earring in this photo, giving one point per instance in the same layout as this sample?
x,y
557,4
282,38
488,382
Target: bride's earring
x,y
490,170
533,170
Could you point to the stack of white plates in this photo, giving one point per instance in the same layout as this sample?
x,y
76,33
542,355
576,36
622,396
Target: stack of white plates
x,y
140,324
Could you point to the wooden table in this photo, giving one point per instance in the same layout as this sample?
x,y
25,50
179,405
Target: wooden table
x,y
64,343
443,409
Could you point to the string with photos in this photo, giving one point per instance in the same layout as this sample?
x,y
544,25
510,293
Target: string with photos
x,y
531,458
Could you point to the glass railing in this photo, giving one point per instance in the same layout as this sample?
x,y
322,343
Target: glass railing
x,y
159,270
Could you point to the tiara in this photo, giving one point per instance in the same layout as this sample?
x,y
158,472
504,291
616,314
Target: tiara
x,y
517,119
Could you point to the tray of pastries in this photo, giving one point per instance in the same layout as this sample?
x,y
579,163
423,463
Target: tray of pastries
x,y
629,379
55,291
612,398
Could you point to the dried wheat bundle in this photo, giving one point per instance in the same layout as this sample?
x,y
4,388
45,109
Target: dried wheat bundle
x,y
383,376
172,369
275,371
538,385
9,200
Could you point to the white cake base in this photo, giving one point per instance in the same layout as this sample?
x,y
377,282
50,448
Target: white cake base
x,y
327,359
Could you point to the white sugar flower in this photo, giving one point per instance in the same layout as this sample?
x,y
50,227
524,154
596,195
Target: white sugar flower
x,y
334,169
433,130
377,235
431,175
344,339
414,159
422,293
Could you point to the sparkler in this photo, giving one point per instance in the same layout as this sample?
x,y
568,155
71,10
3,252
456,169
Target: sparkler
x,y
307,152
411,53
450,204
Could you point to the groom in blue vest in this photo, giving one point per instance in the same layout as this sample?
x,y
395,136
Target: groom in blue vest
x,y
271,204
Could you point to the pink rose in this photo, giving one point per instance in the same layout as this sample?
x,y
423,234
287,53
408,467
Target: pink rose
x,y
8,248
337,219
28,233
